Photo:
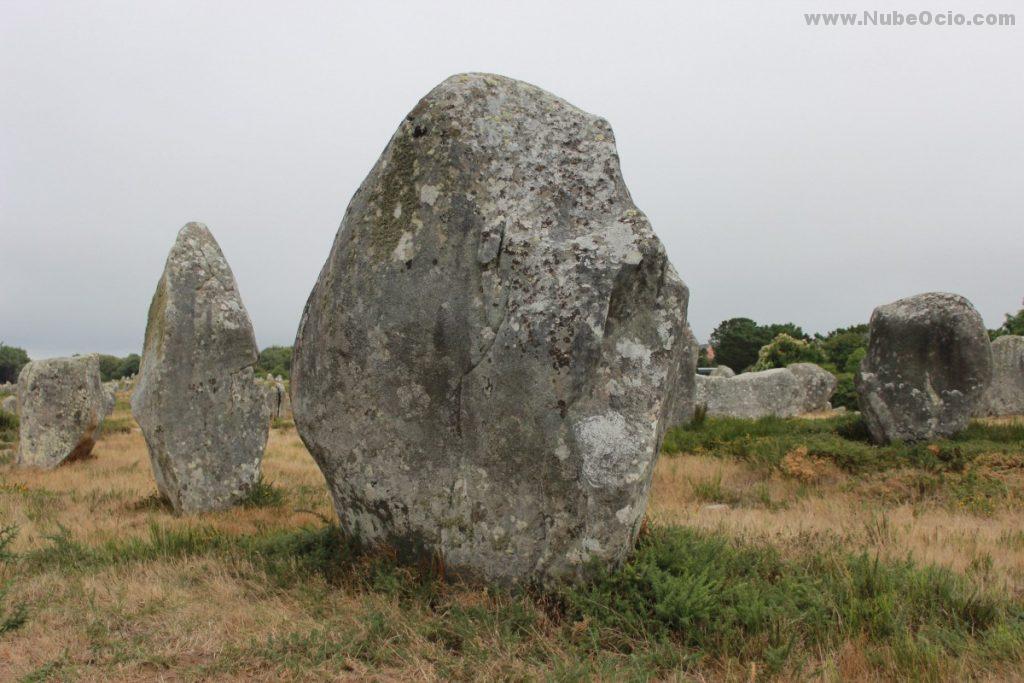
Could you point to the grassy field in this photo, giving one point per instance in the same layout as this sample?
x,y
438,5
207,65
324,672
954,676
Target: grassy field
x,y
773,550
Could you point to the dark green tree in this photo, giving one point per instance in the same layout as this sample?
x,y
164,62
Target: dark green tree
x,y
840,344
108,366
112,367
12,360
277,360
129,365
794,331
737,341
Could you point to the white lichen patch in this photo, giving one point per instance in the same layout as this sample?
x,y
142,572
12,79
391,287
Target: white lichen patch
x,y
404,250
429,194
633,350
610,449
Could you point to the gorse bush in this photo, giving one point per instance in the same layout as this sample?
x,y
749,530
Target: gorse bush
x,y
785,350
737,341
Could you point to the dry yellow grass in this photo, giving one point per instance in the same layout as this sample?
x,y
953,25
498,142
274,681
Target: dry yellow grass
x,y
112,494
203,618
792,513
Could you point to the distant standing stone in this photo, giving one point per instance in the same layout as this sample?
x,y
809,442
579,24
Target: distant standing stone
x,y
60,403
109,399
1005,395
10,405
780,392
200,407
722,371
489,359
928,363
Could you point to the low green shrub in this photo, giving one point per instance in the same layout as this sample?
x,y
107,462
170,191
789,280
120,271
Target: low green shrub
x,y
8,427
722,600
11,618
842,439
845,395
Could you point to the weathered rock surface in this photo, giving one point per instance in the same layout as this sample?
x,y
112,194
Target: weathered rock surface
x,y
9,404
109,398
929,361
279,403
782,392
819,385
1005,395
60,407
487,363
197,400
752,395
722,371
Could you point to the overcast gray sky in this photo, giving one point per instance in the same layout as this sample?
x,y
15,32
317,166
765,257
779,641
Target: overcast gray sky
x,y
794,173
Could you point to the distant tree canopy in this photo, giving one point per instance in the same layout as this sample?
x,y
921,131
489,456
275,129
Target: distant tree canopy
x,y
12,360
743,344
1014,324
112,367
738,341
277,360
840,346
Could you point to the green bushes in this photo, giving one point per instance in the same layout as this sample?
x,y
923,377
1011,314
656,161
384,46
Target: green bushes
x,y
737,341
845,395
12,360
785,350
276,360
112,367
8,428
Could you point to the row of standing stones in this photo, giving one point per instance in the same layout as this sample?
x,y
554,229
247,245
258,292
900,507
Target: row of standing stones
x,y
489,359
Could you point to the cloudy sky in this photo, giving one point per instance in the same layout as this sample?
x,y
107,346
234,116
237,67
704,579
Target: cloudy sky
x,y
794,173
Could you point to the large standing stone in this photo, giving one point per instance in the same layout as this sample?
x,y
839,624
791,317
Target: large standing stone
x,y
198,403
781,392
60,406
929,361
279,403
491,354
1005,395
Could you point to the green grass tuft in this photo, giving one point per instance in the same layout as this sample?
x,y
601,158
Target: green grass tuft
x,y
11,618
264,495
722,600
842,439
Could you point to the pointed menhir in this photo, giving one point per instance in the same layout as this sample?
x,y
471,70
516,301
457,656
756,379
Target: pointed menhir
x,y
489,359
202,411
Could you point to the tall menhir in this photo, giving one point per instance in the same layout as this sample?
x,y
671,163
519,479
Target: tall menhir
x,y
497,342
204,415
